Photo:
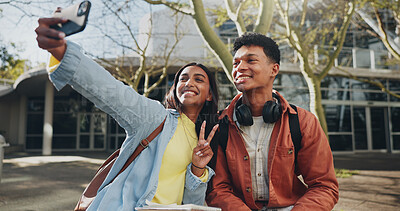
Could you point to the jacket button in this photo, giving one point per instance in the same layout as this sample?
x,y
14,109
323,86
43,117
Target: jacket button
x,y
248,189
246,157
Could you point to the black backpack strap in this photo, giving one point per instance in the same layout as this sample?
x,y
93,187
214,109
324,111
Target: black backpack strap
x,y
295,132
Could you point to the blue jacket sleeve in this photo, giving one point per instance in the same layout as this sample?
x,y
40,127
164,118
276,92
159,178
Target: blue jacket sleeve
x,y
132,111
195,189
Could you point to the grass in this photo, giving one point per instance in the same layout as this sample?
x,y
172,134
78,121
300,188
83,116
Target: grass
x,y
344,173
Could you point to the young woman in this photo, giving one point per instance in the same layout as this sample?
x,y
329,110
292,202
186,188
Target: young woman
x,y
173,168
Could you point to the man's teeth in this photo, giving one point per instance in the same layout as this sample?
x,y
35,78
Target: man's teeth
x,y
243,77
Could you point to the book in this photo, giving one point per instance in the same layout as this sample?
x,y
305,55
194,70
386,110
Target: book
x,y
186,207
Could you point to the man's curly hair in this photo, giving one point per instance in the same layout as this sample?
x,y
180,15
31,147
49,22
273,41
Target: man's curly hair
x,y
270,47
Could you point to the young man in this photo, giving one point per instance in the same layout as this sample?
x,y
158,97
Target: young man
x,y
258,168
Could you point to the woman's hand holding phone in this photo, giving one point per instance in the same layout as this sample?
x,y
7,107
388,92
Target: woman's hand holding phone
x,y
45,37
52,31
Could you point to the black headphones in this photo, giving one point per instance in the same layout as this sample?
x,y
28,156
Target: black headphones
x,y
271,112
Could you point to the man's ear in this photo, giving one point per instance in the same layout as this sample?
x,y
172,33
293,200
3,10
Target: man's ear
x,y
275,69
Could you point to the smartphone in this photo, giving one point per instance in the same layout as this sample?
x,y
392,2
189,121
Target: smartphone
x,y
77,16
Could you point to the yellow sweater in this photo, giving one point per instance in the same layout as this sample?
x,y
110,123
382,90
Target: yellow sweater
x,y
176,157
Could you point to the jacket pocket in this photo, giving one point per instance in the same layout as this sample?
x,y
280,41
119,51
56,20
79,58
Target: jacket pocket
x,y
284,152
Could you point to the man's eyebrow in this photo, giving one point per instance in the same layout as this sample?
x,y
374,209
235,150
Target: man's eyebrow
x,y
247,55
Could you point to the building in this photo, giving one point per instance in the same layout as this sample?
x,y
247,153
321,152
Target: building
x,y
361,118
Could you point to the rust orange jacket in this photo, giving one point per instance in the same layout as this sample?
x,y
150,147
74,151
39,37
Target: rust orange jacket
x,y
232,186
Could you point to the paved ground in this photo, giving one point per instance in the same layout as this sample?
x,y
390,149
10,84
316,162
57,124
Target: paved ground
x,y
34,182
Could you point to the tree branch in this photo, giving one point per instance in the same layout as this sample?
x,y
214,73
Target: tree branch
x,y
179,7
265,15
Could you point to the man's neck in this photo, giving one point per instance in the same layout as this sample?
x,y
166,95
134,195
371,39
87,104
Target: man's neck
x,y
256,99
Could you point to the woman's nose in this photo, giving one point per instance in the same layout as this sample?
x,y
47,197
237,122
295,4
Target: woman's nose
x,y
189,82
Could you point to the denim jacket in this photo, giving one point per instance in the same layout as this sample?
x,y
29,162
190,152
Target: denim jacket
x,y
139,116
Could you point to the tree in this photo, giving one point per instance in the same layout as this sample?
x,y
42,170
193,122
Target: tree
x,y
10,65
311,32
125,67
381,19
371,13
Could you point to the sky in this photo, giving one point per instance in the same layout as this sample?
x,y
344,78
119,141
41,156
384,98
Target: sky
x,y
18,27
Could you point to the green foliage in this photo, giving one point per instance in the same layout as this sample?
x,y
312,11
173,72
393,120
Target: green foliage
x,y
221,15
345,173
10,65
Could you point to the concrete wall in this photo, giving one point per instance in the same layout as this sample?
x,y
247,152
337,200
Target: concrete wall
x,y
9,118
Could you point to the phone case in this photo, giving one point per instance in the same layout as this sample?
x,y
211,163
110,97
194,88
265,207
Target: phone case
x,y
77,16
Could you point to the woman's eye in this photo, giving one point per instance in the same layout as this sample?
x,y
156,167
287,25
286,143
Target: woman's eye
x,y
199,80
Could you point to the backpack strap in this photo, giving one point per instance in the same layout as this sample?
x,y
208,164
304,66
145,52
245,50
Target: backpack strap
x,y
295,133
220,139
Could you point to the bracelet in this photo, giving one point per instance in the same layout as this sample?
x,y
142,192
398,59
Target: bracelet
x,y
197,166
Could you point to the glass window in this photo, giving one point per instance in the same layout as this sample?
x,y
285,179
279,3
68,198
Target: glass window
x,y
112,142
396,142
360,128
64,142
335,83
394,99
226,92
121,140
395,116
84,141
84,123
170,81
333,94
369,96
345,57
158,94
338,118
290,80
394,85
99,123
366,86
99,141
35,105
298,97
64,124
222,78
378,127
341,142
34,142
34,123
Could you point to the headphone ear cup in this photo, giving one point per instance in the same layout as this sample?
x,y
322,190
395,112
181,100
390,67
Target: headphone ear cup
x,y
243,115
271,112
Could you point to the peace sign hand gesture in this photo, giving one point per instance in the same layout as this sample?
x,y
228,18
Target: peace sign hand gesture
x,y
202,153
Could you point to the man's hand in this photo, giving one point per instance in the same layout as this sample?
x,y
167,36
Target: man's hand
x,y
50,39
202,153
